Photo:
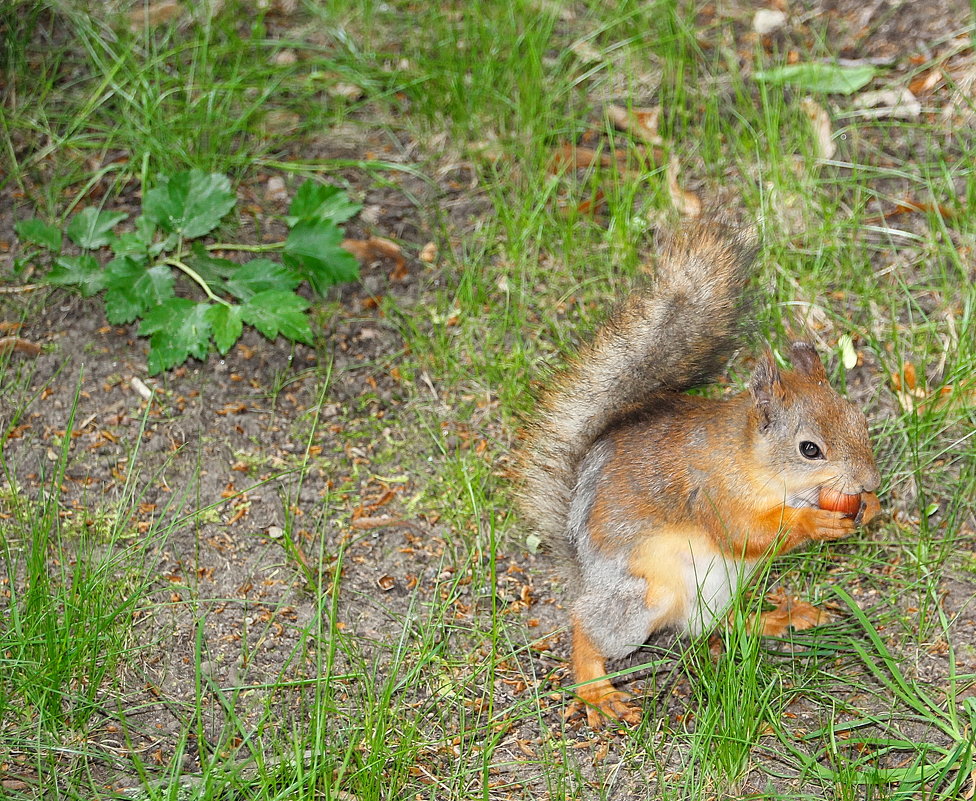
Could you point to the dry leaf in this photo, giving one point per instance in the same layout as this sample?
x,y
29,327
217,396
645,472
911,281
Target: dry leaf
x,y
848,354
589,207
348,91
820,123
376,247
685,202
579,158
888,103
959,109
958,396
367,523
279,121
585,51
911,378
8,344
155,14
926,82
525,747
968,795
285,58
428,253
641,122
908,206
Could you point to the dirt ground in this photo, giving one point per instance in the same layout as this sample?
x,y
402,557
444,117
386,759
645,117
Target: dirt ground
x,y
226,433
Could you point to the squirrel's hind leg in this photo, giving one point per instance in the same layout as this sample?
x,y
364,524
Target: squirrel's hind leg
x,y
596,692
610,620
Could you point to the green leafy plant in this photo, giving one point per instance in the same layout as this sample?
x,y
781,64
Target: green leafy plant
x,y
816,77
165,252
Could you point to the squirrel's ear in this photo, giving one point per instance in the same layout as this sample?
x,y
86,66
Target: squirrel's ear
x,y
806,360
766,388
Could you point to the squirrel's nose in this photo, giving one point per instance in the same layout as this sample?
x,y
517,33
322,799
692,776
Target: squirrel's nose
x,y
871,479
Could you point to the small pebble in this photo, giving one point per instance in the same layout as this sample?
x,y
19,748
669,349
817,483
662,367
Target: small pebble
x,y
768,20
276,188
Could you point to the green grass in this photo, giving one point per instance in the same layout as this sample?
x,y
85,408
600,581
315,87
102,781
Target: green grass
x,y
445,691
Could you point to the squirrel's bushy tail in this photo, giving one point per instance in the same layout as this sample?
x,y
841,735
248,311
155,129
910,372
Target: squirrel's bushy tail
x,y
675,333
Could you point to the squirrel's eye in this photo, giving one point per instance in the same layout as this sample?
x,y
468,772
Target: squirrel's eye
x,y
810,450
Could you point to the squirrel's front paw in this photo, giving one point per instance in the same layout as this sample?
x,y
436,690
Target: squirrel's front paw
x,y
870,506
830,525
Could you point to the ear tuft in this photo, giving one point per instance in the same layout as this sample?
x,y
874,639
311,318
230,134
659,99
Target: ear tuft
x,y
806,360
766,387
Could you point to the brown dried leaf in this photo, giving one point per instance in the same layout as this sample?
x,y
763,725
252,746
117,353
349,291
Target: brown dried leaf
x,y
376,247
641,122
685,202
155,14
888,103
579,158
926,82
367,523
909,206
585,51
911,378
820,123
968,795
8,344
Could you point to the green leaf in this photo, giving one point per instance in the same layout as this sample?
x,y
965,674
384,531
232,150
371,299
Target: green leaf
x,y
129,244
178,329
211,269
91,228
847,352
190,203
314,250
81,271
315,201
814,77
277,311
227,325
145,229
131,289
139,241
40,233
261,275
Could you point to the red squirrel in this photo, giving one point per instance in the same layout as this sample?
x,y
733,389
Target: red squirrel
x,y
661,502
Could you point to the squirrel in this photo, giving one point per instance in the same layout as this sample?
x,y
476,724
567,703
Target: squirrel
x,y
659,502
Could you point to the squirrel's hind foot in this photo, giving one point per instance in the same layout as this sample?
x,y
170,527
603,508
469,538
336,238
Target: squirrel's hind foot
x,y
604,703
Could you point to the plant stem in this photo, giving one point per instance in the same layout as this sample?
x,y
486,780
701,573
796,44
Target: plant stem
x,y
196,277
246,248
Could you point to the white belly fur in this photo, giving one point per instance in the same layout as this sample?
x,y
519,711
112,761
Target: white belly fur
x,y
712,580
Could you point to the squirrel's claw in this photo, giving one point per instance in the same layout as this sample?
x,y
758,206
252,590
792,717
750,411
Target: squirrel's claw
x,y
870,506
